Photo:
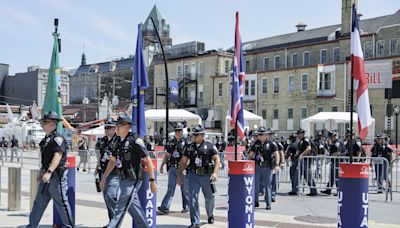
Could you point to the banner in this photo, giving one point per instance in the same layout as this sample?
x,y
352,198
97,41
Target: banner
x,y
173,91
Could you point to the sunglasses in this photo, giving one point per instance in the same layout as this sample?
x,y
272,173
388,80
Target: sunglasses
x,y
109,127
46,122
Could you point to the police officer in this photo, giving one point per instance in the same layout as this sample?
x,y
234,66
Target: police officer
x,y
304,149
381,149
357,148
254,149
336,148
321,150
53,178
172,157
202,172
105,147
267,159
128,152
291,155
275,173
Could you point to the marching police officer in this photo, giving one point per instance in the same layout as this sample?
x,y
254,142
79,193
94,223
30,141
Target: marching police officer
x,y
291,155
336,148
275,173
304,149
128,152
105,147
202,172
53,178
357,148
172,157
383,150
266,158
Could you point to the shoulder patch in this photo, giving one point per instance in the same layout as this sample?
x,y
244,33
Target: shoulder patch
x,y
337,144
215,148
140,142
59,140
306,140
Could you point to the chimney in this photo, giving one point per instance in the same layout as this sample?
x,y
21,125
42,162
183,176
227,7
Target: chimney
x,y
301,27
346,16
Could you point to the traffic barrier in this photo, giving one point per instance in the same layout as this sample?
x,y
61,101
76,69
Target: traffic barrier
x,y
14,188
309,173
394,177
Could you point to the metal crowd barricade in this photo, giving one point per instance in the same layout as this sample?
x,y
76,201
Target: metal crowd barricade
x,y
394,177
316,170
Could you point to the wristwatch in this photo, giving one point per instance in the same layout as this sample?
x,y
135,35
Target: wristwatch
x,y
49,171
151,179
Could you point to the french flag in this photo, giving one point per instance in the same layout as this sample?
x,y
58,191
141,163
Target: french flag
x,y
360,79
238,82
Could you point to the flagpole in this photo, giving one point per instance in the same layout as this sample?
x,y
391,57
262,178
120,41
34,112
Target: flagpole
x,y
351,104
166,82
236,133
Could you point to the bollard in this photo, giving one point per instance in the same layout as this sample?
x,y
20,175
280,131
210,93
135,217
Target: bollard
x,y
14,189
353,195
71,166
148,200
241,194
34,186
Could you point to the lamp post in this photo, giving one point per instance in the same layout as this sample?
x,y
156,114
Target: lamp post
x,y
396,112
85,102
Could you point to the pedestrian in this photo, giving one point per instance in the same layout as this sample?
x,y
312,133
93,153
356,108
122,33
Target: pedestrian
x,y
128,152
291,155
105,146
202,173
172,157
357,148
14,148
53,175
275,173
382,149
266,158
304,149
83,153
336,148
221,146
3,151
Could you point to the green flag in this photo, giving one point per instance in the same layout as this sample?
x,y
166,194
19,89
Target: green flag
x,y
52,100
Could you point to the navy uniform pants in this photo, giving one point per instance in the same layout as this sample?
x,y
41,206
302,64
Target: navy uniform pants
x,y
195,183
57,191
172,174
264,176
110,194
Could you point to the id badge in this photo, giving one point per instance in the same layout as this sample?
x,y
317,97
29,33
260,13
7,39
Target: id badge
x,y
175,154
198,162
118,163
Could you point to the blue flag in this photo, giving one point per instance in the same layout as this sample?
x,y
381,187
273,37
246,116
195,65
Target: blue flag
x,y
139,84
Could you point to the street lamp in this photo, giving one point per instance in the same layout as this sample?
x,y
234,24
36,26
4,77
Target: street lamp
x,y
396,112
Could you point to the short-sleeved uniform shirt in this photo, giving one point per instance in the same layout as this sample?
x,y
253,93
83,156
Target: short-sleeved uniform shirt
x,y
176,148
51,144
129,152
105,146
200,155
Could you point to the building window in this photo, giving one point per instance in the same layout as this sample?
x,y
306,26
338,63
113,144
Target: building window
x,y
394,46
371,109
264,114
179,71
250,88
276,114
325,81
201,95
226,66
277,62
294,60
323,56
253,87
306,58
201,69
265,64
290,113
320,109
380,48
336,55
247,66
220,89
368,50
264,85
334,108
304,82
276,84
186,69
303,113
290,83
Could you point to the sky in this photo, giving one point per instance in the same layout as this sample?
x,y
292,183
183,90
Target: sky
x,y
108,29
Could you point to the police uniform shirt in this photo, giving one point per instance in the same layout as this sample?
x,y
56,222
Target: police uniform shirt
x,y
129,152
382,150
51,144
106,147
200,155
256,146
268,148
279,145
303,144
356,147
175,148
291,151
335,148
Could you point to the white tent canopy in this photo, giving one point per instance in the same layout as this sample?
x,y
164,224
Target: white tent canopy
x,y
247,116
331,121
98,131
175,115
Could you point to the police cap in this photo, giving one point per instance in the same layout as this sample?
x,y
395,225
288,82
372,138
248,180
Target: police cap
x,y
110,122
262,131
50,115
332,134
300,131
123,118
198,129
179,127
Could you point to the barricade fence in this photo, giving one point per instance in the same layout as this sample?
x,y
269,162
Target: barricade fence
x,y
394,177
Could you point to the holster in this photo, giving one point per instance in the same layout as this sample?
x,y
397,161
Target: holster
x,y
201,171
121,174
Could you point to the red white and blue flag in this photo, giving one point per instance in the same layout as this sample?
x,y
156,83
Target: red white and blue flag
x,y
359,77
238,82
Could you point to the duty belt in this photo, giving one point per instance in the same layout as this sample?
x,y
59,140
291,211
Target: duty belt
x,y
201,171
